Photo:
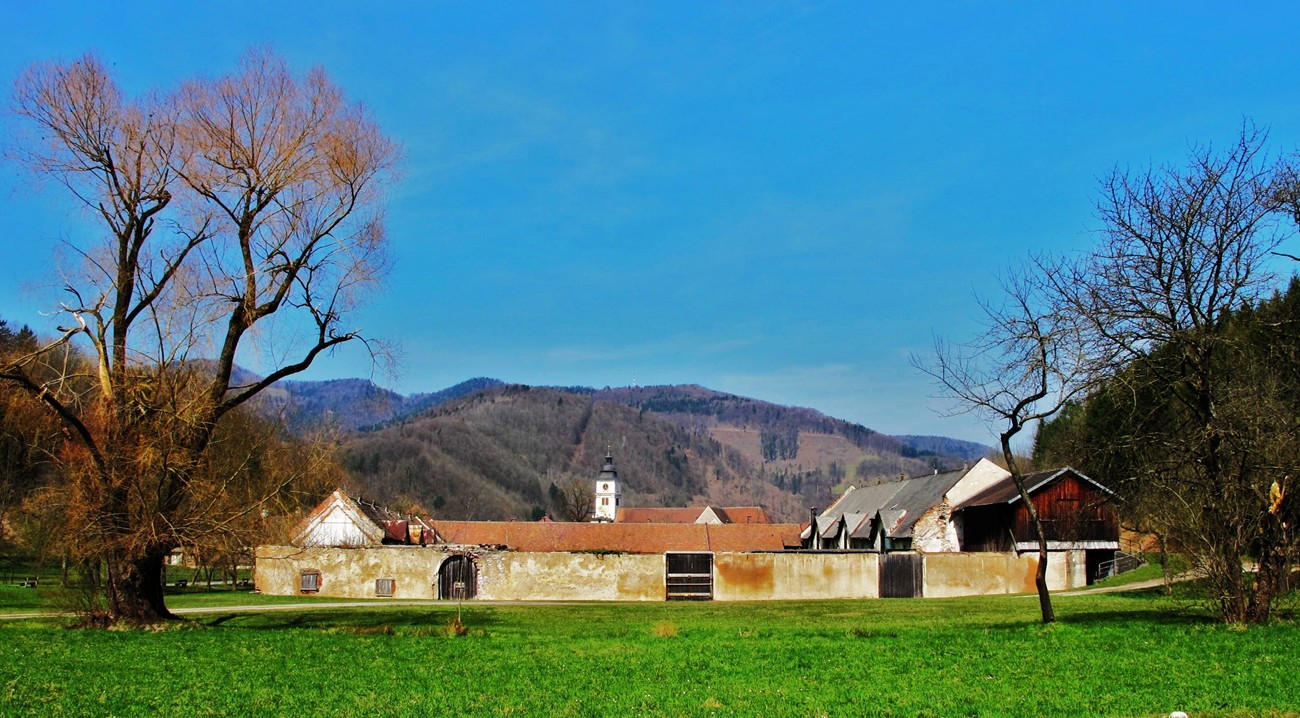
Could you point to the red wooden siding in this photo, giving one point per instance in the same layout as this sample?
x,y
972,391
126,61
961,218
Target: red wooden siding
x,y
1071,510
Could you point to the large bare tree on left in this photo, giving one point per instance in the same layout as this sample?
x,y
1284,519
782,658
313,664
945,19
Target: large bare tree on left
x,y
233,215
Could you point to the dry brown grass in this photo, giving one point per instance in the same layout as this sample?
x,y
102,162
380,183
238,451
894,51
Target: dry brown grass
x,y
664,629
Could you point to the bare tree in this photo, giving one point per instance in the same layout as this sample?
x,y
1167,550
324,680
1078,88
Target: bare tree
x,y
1029,362
222,205
1181,250
573,498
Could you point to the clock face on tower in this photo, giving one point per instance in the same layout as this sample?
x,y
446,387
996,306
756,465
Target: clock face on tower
x,y
604,487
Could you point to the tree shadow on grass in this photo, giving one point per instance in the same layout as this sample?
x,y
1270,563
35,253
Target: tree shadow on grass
x,y
1169,616
1140,607
364,620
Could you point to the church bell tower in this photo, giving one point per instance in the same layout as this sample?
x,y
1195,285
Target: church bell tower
x,y
609,492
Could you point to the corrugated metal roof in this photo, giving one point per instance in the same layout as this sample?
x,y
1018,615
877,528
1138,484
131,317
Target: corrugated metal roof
x,y
890,520
917,496
863,500
859,525
629,538
899,503
831,528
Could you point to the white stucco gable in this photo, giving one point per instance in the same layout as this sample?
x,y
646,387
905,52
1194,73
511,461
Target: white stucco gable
x,y
709,516
977,478
339,521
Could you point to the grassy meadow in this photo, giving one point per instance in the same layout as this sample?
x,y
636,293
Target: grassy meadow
x,y
1130,654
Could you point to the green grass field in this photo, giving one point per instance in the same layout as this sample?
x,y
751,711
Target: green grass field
x,y
1116,654
51,596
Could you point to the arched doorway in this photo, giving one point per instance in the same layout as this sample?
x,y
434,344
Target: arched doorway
x,y
457,578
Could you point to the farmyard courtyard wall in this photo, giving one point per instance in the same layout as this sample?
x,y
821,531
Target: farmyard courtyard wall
x,y
565,576
794,576
948,575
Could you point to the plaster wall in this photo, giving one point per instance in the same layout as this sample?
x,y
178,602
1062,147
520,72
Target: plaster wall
x,y
350,572
983,574
508,575
513,576
794,576
1078,568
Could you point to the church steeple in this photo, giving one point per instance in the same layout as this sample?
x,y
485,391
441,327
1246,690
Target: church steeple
x,y
609,491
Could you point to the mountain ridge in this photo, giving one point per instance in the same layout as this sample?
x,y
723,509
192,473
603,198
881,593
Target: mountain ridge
x,y
487,449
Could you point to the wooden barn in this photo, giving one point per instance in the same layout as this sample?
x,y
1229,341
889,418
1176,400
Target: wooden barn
x,y
1076,511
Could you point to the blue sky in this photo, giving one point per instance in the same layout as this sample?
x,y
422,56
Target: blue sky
x,y
779,200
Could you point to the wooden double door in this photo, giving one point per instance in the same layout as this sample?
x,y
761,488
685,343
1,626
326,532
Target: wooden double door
x,y
457,579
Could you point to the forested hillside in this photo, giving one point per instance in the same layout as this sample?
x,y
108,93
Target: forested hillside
x,y
797,449
352,404
485,450
505,452
497,454
925,446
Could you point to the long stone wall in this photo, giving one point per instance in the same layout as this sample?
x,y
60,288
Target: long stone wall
x,y
350,572
502,575
792,576
985,574
510,575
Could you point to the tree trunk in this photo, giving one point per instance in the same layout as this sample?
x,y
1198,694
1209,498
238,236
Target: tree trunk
x,y
1040,578
135,589
1225,576
1270,578
1267,586
1164,565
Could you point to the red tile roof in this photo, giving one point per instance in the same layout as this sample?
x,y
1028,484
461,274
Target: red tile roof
x,y
629,538
743,514
690,514
686,515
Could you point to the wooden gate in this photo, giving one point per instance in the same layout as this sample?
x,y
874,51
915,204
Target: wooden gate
x,y
457,578
900,575
688,576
